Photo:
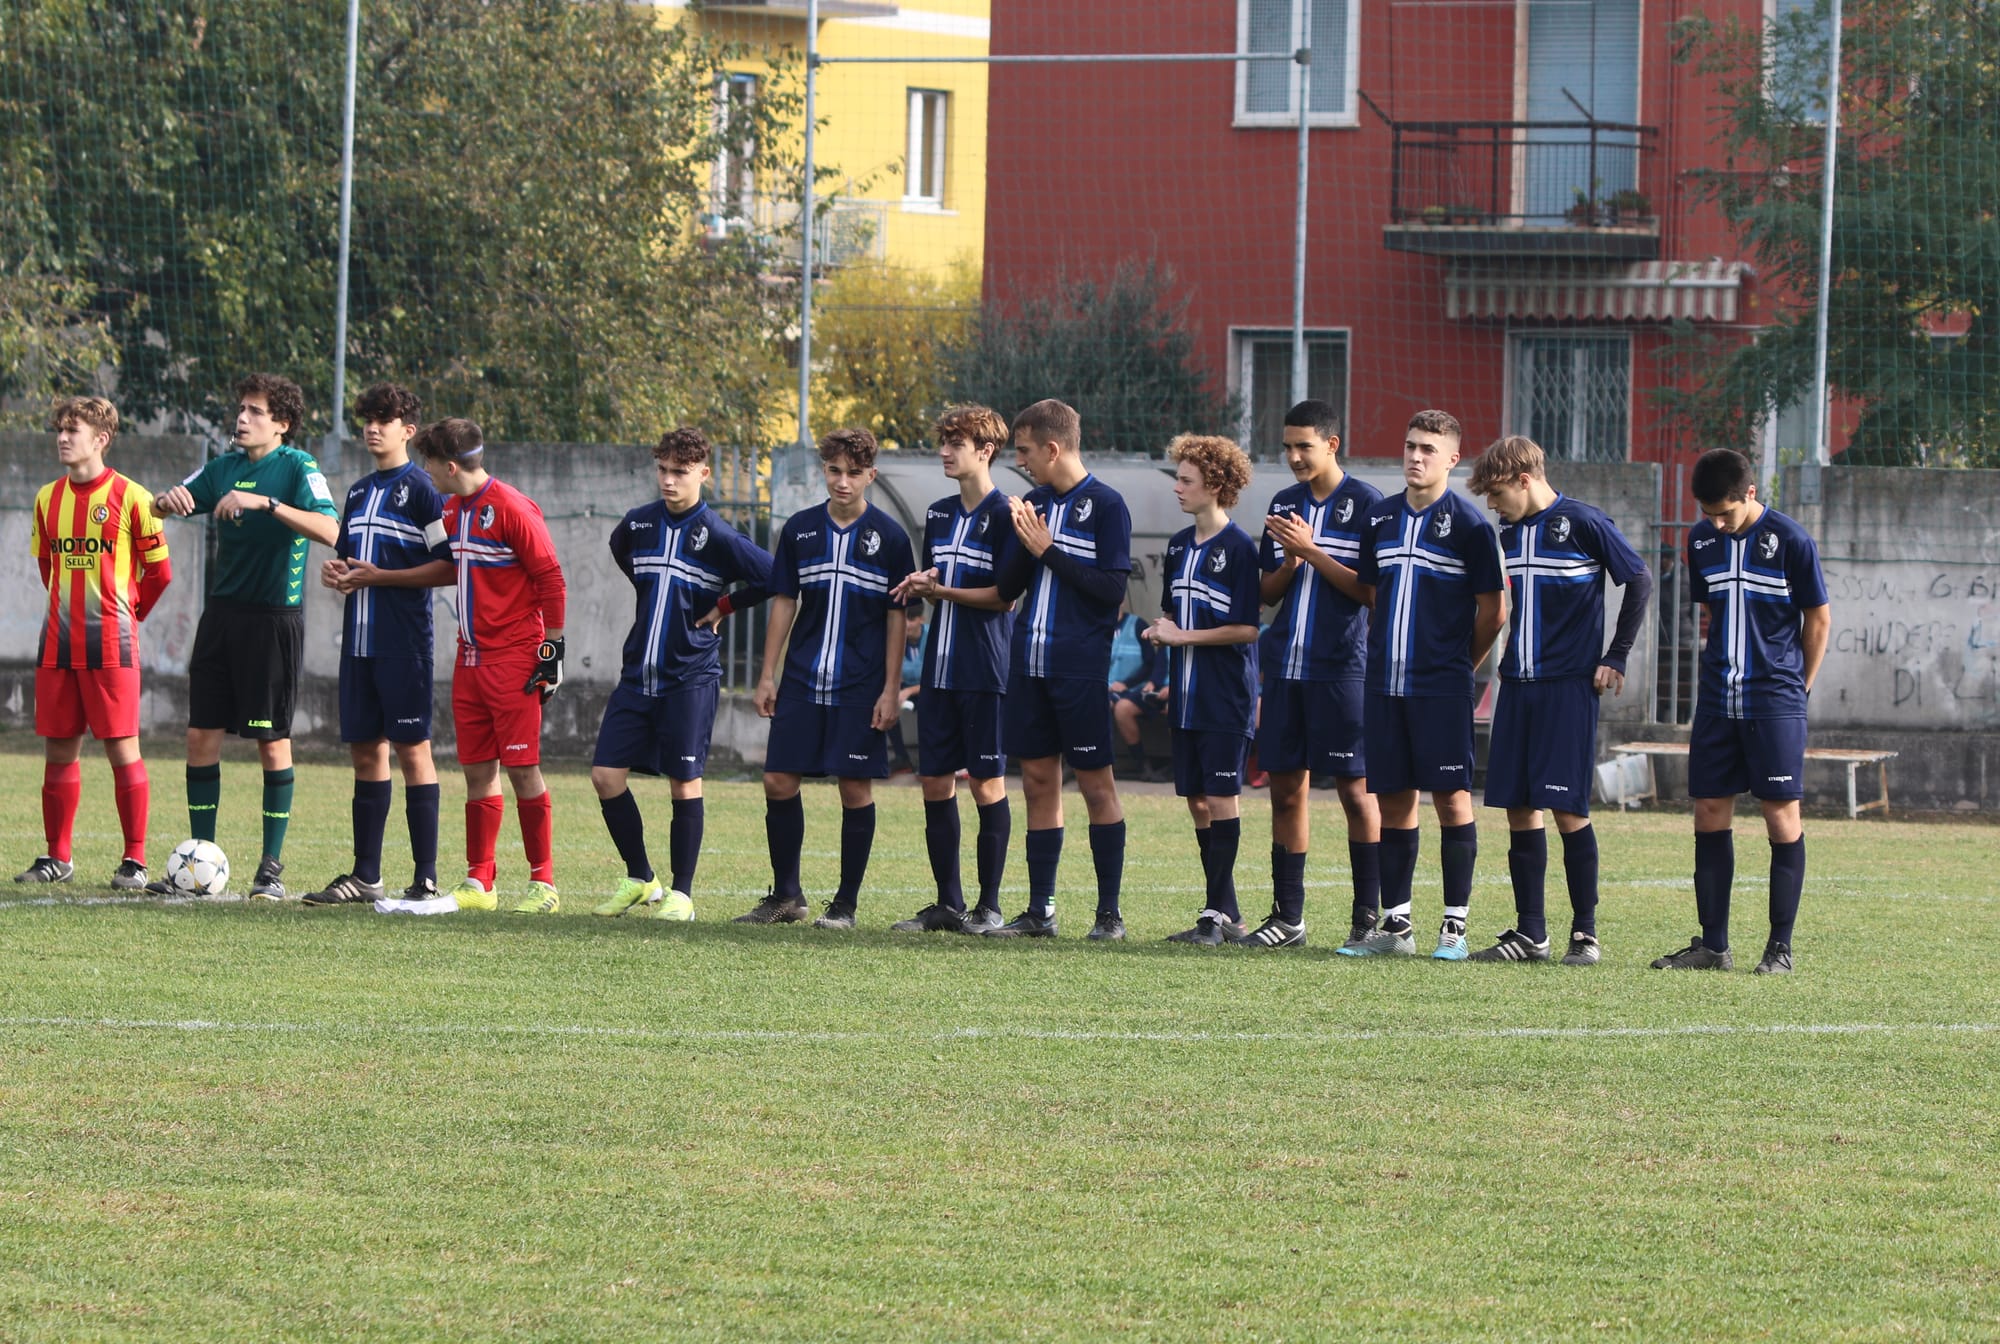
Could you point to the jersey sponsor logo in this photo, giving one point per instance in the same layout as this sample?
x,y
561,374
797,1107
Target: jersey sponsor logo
x,y
936,513
81,545
246,485
637,525
871,542
698,540
101,513
805,536
257,723
1559,530
1767,546
486,516
1377,522
1700,542
1084,508
1345,512
402,494
1441,526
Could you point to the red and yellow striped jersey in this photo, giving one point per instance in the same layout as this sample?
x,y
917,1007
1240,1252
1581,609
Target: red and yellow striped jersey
x,y
103,556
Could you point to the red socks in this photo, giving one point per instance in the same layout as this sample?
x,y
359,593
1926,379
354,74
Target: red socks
x,y
538,836
135,800
62,787
482,833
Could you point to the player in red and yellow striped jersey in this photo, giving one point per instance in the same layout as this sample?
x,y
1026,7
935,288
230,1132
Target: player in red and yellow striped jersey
x,y
103,558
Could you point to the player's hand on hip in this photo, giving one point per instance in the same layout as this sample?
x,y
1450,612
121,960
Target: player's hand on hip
x,y
178,501
1608,678
709,620
765,697
548,670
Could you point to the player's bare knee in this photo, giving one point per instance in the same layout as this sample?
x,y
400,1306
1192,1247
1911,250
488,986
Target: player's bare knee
x,y
527,781
986,792
856,792
416,763
937,788
608,780
681,790
1454,807
779,787
1568,822
67,750
1197,807
1525,818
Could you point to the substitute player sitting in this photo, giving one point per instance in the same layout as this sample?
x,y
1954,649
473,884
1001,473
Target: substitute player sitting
x,y
390,554
839,629
680,556
964,672
102,554
1768,620
1558,552
511,602
1210,631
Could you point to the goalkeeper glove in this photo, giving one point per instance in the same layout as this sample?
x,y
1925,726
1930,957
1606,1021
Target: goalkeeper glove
x,y
548,670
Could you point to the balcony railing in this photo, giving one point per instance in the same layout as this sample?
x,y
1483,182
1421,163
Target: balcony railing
x,y
1548,188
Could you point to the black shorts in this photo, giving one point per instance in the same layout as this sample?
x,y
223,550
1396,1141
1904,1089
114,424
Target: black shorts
x,y
243,676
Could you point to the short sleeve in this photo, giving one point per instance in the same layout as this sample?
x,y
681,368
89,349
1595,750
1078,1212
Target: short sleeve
x,y
1114,532
1697,585
751,563
1615,553
898,561
1270,555
1246,604
205,483
785,566
621,546
1482,556
1803,573
1365,569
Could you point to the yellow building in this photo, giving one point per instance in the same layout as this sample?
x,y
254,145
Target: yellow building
x,y
908,140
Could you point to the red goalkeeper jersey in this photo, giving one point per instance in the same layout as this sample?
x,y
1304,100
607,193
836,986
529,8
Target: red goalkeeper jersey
x,y
103,556
510,585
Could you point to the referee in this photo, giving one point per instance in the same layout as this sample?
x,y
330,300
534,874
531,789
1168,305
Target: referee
x,y
243,677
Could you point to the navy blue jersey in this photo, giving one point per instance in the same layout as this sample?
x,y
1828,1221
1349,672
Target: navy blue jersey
x,y
1320,633
1211,583
968,645
841,577
393,521
1059,630
1756,586
1428,567
1556,562
678,567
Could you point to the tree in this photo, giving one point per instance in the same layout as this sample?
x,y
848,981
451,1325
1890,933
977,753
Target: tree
x,y
528,178
1118,349
1915,290
883,342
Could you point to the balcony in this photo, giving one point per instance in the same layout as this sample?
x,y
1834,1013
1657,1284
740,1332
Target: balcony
x,y
847,229
1497,189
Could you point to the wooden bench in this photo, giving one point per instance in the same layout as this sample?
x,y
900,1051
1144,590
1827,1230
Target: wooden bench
x,y
1851,757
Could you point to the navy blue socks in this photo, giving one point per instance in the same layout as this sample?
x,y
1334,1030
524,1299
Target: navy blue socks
x,y
1044,858
420,812
684,842
941,842
1580,868
1225,835
1714,872
1399,869
1107,855
996,830
857,842
1364,861
1288,884
1788,880
628,834
371,818
785,835
1528,866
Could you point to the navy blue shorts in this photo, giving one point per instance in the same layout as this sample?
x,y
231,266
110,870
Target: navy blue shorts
x,y
1764,757
959,730
385,697
1209,764
1418,742
1544,745
1313,726
1066,716
837,740
658,734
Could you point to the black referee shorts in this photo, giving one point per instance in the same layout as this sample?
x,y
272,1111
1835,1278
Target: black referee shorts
x,y
244,674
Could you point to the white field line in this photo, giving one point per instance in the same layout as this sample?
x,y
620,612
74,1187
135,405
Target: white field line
x,y
781,1035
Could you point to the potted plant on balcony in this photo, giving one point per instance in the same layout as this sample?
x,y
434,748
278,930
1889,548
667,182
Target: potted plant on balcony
x,y
1631,205
1583,212
1435,214
1466,213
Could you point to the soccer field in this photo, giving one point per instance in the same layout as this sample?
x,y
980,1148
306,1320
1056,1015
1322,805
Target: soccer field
x,y
250,1121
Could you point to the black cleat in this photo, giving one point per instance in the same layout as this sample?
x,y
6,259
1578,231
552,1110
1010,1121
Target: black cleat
x,y
1777,959
836,916
265,886
159,886
1696,956
46,871
983,920
932,919
1107,929
131,876
775,909
1274,933
423,889
1513,946
347,889
1027,924
1357,934
1211,928
1583,949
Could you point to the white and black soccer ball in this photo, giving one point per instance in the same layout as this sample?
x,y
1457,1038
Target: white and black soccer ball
x,y
198,867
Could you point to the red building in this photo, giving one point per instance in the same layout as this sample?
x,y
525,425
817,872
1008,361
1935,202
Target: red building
x,y
1501,221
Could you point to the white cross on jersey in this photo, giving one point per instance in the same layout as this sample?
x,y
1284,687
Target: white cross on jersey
x,y
1041,607
953,557
366,531
839,578
1404,559
669,569
1736,582
1526,573
1190,593
1347,550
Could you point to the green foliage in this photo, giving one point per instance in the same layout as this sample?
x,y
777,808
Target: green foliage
x,y
1117,348
528,178
1915,292
883,341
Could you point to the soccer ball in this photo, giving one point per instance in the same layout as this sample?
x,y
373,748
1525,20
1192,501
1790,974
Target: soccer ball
x,y
198,867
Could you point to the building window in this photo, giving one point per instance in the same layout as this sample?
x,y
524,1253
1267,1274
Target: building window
x,y
929,119
1797,40
1267,92
733,180
1573,395
1263,379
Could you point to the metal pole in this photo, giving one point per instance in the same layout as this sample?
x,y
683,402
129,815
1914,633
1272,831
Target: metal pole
x,y
1304,58
1821,448
806,231
338,432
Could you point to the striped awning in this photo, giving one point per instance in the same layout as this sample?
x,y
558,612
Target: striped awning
x,y
1640,291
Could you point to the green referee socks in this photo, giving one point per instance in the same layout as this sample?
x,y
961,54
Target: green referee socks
x,y
277,810
204,789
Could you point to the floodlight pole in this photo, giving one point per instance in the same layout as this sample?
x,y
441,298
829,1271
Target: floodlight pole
x,y
1304,58
338,431
806,231
1821,447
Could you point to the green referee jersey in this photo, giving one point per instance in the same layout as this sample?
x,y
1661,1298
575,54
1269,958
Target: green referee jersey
x,y
258,560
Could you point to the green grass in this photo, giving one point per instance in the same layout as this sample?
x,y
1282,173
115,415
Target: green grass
x,y
260,1122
